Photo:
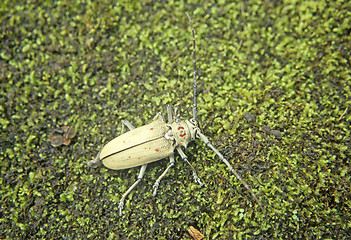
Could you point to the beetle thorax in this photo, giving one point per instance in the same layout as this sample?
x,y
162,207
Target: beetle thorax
x,y
181,132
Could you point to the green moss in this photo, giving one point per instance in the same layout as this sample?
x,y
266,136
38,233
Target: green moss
x,y
89,65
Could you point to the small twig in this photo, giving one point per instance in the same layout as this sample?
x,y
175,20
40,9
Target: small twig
x,y
343,113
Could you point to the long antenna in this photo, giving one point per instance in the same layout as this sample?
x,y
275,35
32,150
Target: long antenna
x,y
194,63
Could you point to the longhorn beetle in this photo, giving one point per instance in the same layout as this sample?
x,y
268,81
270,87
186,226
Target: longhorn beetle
x,y
156,141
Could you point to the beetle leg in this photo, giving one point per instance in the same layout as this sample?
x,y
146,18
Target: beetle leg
x,y
176,115
140,176
160,116
185,158
128,124
209,144
157,183
95,162
169,114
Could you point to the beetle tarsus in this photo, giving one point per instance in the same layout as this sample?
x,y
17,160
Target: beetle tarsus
x,y
185,158
96,162
155,187
197,179
120,207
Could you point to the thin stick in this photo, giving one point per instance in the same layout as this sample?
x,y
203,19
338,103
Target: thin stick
x,y
343,114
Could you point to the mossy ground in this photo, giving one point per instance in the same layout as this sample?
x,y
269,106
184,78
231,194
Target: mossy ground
x,y
91,64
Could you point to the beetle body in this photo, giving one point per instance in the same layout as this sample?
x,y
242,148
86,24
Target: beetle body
x,y
146,144
156,141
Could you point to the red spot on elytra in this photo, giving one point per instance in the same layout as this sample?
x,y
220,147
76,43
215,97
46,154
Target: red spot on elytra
x,y
157,150
182,135
151,129
180,128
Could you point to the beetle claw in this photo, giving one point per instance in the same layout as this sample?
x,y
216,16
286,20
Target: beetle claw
x,y
155,187
120,207
94,163
197,179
